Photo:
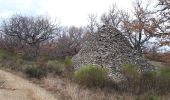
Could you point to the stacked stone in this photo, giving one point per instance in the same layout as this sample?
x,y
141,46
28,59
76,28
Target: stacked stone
x,y
110,49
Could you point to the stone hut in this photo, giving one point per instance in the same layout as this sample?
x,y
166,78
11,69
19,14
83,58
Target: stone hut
x,y
109,48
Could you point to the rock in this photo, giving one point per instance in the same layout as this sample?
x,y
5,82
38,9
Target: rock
x,y
110,49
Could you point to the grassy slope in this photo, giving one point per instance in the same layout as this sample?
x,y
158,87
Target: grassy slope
x,y
66,89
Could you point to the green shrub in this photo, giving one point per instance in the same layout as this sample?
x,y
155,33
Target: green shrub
x,y
20,61
35,72
164,80
6,55
55,66
28,57
3,56
130,71
90,75
165,74
152,97
149,75
67,62
47,57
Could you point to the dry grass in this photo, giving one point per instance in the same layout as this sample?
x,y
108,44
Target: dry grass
x,y
65,89
68,90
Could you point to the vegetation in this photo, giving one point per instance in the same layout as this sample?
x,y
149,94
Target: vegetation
x,y
6,55
35,72
67,61
91,75
55,66
38,48
56,42
130,71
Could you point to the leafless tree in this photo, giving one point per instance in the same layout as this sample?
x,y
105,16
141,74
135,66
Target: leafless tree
x,y
112,17
165,4
30,30
70,41
93,24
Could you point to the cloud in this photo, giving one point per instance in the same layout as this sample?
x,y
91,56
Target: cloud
x,y
69,12
74,12
10,7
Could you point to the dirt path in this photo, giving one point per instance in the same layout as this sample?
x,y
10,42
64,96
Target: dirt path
x,y
13,87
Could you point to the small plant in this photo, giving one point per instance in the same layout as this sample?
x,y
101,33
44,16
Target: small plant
x,y
19,61
28,57
47,57
152,97
67,61
55,66
132,78
41,62
90,75
149,74
147,81
4,55
165,74
130,71
164,80
35,72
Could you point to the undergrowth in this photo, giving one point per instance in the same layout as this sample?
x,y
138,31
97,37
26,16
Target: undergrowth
x,y
91,75
153,84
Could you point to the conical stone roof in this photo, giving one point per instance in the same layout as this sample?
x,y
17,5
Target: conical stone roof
x,y
110,49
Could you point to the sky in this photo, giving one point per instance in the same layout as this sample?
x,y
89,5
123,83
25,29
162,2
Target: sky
x,y
66,12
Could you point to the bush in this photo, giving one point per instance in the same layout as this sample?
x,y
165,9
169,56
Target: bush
x,y
67,62
164,80
7,55
165,74
55,66
149,75
48,57
157,81
147,81
20,61
41,62
91,75
35,72
152,97
28,58
3,56
130,71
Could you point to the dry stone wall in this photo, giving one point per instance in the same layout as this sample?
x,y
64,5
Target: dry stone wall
x,y
110,49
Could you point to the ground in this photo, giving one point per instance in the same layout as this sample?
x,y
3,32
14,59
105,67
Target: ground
x,y
13,87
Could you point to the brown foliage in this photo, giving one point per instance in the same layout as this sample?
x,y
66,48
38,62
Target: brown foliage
x,y
139,28
162,57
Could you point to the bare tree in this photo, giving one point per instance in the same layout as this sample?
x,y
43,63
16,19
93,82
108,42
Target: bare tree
x,y
70,41
93,24
165,4
30,30
112,17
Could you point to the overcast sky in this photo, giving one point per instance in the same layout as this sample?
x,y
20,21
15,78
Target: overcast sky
x,y
69,12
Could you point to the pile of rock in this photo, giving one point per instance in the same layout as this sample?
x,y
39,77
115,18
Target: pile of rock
x,y
109,48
